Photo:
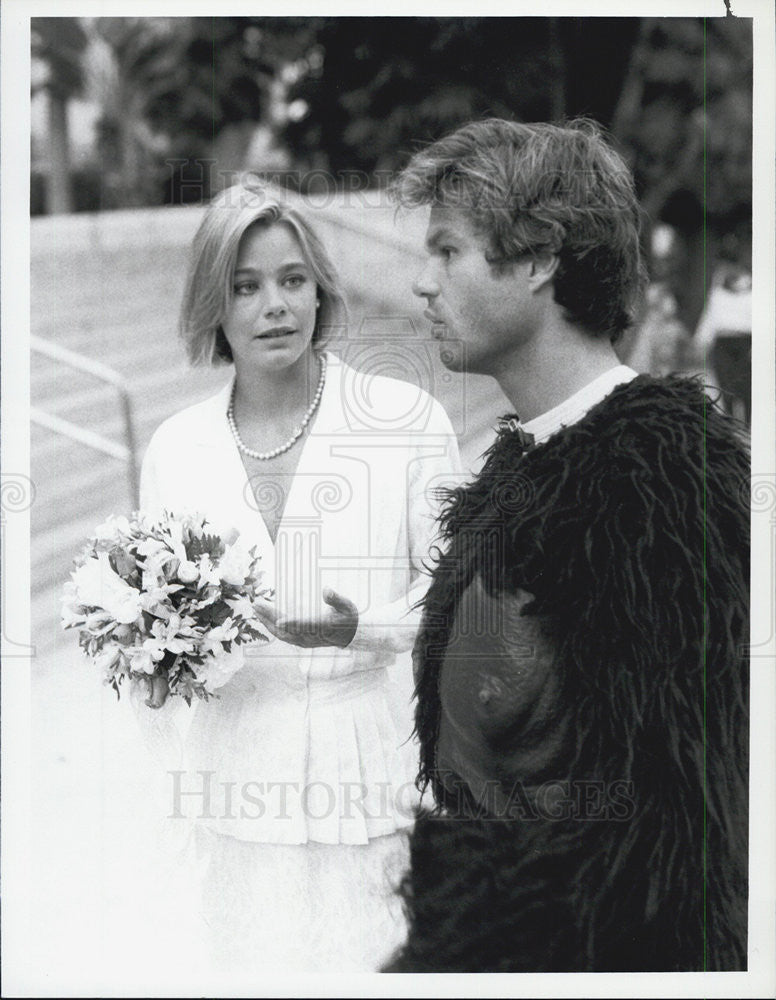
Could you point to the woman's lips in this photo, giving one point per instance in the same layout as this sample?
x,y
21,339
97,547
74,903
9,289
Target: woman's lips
x,y
275,332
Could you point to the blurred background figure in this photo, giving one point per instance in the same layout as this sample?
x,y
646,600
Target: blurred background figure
x,y
660,342
138,121
724,338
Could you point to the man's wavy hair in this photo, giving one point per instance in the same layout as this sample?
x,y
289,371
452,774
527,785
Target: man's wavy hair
x,y
533,189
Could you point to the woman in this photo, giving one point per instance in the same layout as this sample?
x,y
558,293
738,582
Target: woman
x,y
296,777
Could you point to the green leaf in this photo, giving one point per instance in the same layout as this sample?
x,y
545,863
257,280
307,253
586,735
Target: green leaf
x,y
214,614
210,545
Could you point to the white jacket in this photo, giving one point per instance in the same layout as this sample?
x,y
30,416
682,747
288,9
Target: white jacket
x,y
301,744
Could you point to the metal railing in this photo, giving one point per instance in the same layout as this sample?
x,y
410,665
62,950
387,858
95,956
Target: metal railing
x,y
126,452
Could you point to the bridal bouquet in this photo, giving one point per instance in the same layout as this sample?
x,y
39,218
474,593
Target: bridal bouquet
x,y
166,599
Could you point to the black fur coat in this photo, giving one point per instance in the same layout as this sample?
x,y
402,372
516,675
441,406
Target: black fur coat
x,y
630,529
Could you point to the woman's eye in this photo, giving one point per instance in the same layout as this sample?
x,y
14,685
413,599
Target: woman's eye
x,y
295,280
245,288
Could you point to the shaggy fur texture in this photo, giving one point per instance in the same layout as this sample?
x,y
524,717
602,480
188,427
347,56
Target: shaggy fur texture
x,y
631,529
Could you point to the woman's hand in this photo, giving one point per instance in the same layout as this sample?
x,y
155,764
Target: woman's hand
x,y
156,690
336,627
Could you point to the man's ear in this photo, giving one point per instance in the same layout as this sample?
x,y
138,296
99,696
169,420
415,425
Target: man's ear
x,y
542,270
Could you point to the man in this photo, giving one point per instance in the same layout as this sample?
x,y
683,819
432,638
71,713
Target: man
x,y
581,677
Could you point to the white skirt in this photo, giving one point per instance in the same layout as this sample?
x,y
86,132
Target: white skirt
x,y
301,907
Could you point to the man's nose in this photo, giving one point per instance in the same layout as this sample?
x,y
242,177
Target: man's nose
x,y
425,286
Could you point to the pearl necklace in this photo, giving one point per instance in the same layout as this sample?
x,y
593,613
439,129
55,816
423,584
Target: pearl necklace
x,y
264,455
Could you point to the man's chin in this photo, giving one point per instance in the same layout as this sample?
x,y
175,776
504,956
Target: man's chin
x,y
451,356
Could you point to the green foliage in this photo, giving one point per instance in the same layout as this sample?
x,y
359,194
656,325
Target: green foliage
x,y
59,42
676,93
210,545
690,128
198,74
685,119
188,78
214,614
380,86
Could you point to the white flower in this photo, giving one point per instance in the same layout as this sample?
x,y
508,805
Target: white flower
x,y
154,599
235,565
108,657
72,617
204,598
186,520
150,548
218,669
144,658
195,525
172,635
208,573
175,531
153,573
100,623
188,572
73,614
213,639
242,608
143,522
142,661
112,528
229,534
99,586
223,633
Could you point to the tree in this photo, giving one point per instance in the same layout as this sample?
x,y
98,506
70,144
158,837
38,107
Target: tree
x,y
361,93
376,87
143,53
181,83
675,93
58,44
685,118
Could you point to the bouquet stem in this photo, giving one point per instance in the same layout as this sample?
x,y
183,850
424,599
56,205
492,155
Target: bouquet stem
x,y
158,689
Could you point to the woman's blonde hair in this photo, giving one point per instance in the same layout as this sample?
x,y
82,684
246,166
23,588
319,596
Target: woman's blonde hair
x,y
209,282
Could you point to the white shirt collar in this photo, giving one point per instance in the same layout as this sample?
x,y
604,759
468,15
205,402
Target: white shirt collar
x,y
575,407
